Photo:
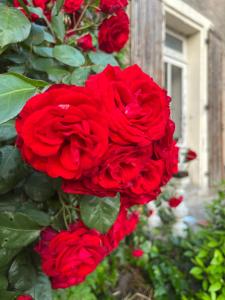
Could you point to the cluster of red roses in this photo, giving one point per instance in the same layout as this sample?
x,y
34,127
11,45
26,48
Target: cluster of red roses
x,y
114,135
113,32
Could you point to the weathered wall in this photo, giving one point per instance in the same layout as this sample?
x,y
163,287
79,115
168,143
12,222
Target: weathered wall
x,y
214,10
147,36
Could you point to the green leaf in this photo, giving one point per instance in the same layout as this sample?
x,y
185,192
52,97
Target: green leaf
x,y
68,55
49,37
42,64
98,69
215,287
43,51
34,82
42,289
7,131
14,26
14,92
37,35
41,218
11,168
79,76
2,49
6,255
218,258
197,272
6,295
59,5
58,26
102,59
39,187
56,74
17,69
18,58
17,230
22,274
3,282
99,213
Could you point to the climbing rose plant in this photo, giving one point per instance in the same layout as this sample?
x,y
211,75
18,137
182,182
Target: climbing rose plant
x,y
82,142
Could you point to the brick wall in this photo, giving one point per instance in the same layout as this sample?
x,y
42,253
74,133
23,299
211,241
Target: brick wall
x,y
214,10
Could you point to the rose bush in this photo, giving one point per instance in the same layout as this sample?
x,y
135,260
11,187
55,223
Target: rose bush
x,y
82,141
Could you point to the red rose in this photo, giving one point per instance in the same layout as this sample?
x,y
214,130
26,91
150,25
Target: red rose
x,y
146,186
137,253
24,297
111,6
138,108
167,150
124,225
120,167
128,171
191,155
62,132
41,3
71,6
85,43
174,202
69,256
114,32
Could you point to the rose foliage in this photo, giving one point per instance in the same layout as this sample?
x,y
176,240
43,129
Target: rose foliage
x,y
82,141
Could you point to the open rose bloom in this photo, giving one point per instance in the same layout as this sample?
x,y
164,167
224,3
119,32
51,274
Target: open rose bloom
x,y
113,135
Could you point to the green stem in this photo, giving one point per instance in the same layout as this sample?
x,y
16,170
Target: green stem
x,y
64,209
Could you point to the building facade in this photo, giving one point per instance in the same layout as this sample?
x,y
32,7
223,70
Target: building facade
x,y
181,44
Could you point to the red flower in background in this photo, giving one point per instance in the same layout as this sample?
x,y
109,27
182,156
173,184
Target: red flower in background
x,y
71,6
191,155
114,33
69,256
85,43
24,297
61,132
174,202
111,6
137,253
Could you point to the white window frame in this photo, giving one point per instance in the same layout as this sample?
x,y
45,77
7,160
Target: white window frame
x,y
182,18
172,57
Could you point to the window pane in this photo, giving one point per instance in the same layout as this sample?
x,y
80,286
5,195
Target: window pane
x,y
176,103
174,43
165,83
